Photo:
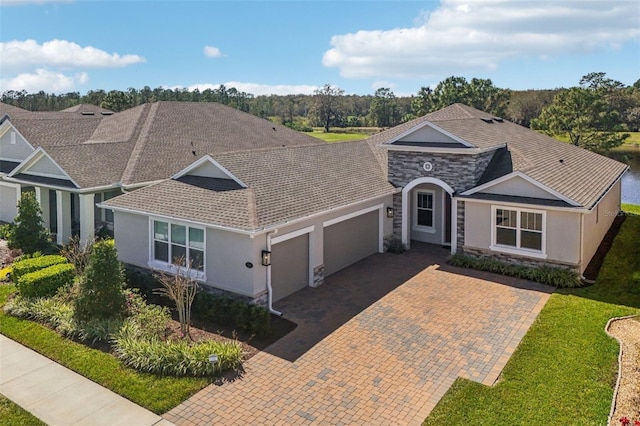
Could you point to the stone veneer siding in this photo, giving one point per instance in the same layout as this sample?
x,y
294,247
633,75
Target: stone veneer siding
x,y
459,171
318,276
516,259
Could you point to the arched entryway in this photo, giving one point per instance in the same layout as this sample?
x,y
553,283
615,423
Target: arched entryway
x,y
429,212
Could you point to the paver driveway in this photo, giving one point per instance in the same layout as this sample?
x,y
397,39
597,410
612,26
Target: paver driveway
x,y
390,363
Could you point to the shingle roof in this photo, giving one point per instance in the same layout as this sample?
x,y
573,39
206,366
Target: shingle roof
x,y
147,143
10,109
87,108
283,184
582,176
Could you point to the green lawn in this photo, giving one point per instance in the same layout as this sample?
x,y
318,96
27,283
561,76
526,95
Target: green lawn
x,y
633,139
631,208
564,370
158,394
338,137
13,414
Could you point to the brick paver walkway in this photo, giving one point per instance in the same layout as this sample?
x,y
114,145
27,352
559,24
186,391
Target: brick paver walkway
x,y
391,363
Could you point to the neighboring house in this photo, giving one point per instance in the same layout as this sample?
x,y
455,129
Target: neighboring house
x,y
265,223
76,158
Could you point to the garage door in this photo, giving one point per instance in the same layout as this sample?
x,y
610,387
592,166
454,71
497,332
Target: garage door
x,y
349,241
289,266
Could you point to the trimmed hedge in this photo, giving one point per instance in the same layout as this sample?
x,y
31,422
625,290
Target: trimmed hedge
x,y
46,282
27,266
557,277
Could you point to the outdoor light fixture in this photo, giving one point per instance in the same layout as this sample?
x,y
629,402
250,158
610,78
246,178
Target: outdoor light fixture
x,y
213,359
266,258
390,211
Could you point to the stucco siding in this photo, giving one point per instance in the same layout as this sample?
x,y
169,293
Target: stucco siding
x,y
519,187
16,151
428,134
8,201
598,221
45,166
226,256
562,232
131,232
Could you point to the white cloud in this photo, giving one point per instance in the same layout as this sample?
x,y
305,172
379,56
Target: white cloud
x,y
41,79
212,52
257,89
470,35
20,56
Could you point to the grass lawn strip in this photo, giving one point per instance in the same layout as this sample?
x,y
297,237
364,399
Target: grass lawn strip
x,y
13,414
338,137
565,368
157,394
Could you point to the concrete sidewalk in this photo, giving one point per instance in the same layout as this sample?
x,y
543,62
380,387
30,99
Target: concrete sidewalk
x,y
59,396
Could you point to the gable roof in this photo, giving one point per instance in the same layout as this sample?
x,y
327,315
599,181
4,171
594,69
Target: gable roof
x,y
10,109
284,184
87,109
150,142
580,175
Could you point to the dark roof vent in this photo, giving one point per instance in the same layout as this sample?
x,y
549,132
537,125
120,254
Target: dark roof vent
x,y
498,119
107,113
487,120
87,113
274,129
561,161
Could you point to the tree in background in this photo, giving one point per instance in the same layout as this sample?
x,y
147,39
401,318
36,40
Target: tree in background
x,y
326,106
29,235
101,289
585,114
478,93
383,109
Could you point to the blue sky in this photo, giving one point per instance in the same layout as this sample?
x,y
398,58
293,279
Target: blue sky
x,y
284,47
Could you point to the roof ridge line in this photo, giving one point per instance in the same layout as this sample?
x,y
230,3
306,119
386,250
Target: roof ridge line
x,y
139,137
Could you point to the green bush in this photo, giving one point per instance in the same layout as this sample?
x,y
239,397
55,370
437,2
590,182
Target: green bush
x,y
101,290
5,231
32,264
29,234
45,282
146,283
175,358
557,277
230,312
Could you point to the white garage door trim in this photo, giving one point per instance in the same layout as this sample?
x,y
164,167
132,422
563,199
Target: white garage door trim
x,y
379,207
308,230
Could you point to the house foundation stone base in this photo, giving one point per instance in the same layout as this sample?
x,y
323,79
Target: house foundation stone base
x,y
516,260
318,276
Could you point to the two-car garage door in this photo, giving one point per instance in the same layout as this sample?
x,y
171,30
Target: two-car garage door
x,y
345,242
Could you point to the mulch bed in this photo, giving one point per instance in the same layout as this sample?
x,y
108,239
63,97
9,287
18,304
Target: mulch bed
x,y
593,268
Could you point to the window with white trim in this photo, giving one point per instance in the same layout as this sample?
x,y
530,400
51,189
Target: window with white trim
x,y
519,229
423,217
177,244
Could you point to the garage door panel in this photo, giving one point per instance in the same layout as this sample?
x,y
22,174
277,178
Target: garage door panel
x,y
349,241
289,266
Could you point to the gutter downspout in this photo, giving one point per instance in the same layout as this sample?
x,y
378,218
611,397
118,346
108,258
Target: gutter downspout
x,y
269,288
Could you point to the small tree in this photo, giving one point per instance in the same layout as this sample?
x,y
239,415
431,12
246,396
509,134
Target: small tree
x,y
29,234
181,289
101,290
77,253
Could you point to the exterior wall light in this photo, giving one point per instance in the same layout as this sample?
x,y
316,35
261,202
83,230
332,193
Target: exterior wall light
x,y
266,258
390,212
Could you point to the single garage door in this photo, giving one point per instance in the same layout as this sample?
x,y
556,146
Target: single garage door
x,y
349,241
289,266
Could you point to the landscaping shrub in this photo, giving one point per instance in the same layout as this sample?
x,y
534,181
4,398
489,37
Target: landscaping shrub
x,y
77,253
145,283
557,277
26,265
45,282
101,289
230,312
5,273
176,358
29,234
5,231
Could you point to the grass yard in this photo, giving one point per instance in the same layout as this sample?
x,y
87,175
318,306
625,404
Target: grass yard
x,y
158,394
13,414
338,137
633,139
564,370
